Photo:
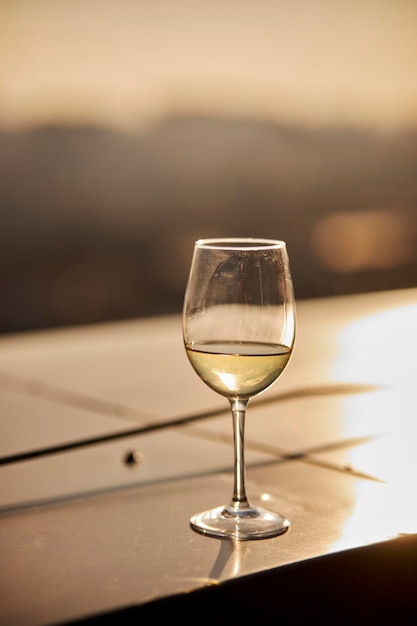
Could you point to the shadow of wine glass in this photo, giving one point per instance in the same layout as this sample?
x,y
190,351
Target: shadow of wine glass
x,y
229,561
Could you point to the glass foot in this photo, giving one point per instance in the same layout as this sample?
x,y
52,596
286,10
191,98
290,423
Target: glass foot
x,y
251,523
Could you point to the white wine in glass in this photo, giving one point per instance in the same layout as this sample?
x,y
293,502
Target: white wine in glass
x,y
239,332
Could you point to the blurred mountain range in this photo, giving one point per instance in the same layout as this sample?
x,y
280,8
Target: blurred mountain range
x,y
97,225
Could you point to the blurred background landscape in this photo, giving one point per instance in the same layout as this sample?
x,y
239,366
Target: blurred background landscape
x,y
128,129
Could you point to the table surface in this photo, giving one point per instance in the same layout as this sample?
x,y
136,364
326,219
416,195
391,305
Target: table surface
x,y
330,445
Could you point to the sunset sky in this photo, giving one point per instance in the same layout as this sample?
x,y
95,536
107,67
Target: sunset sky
x,y
126,63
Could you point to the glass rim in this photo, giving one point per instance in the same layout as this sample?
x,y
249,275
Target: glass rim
x,y
246,243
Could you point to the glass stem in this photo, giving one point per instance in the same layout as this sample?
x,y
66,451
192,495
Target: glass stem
x,y
239,501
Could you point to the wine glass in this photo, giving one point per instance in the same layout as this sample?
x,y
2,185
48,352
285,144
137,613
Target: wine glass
x,y
239,332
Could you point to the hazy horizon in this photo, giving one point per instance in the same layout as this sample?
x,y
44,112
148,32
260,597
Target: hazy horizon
x,y
127,64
